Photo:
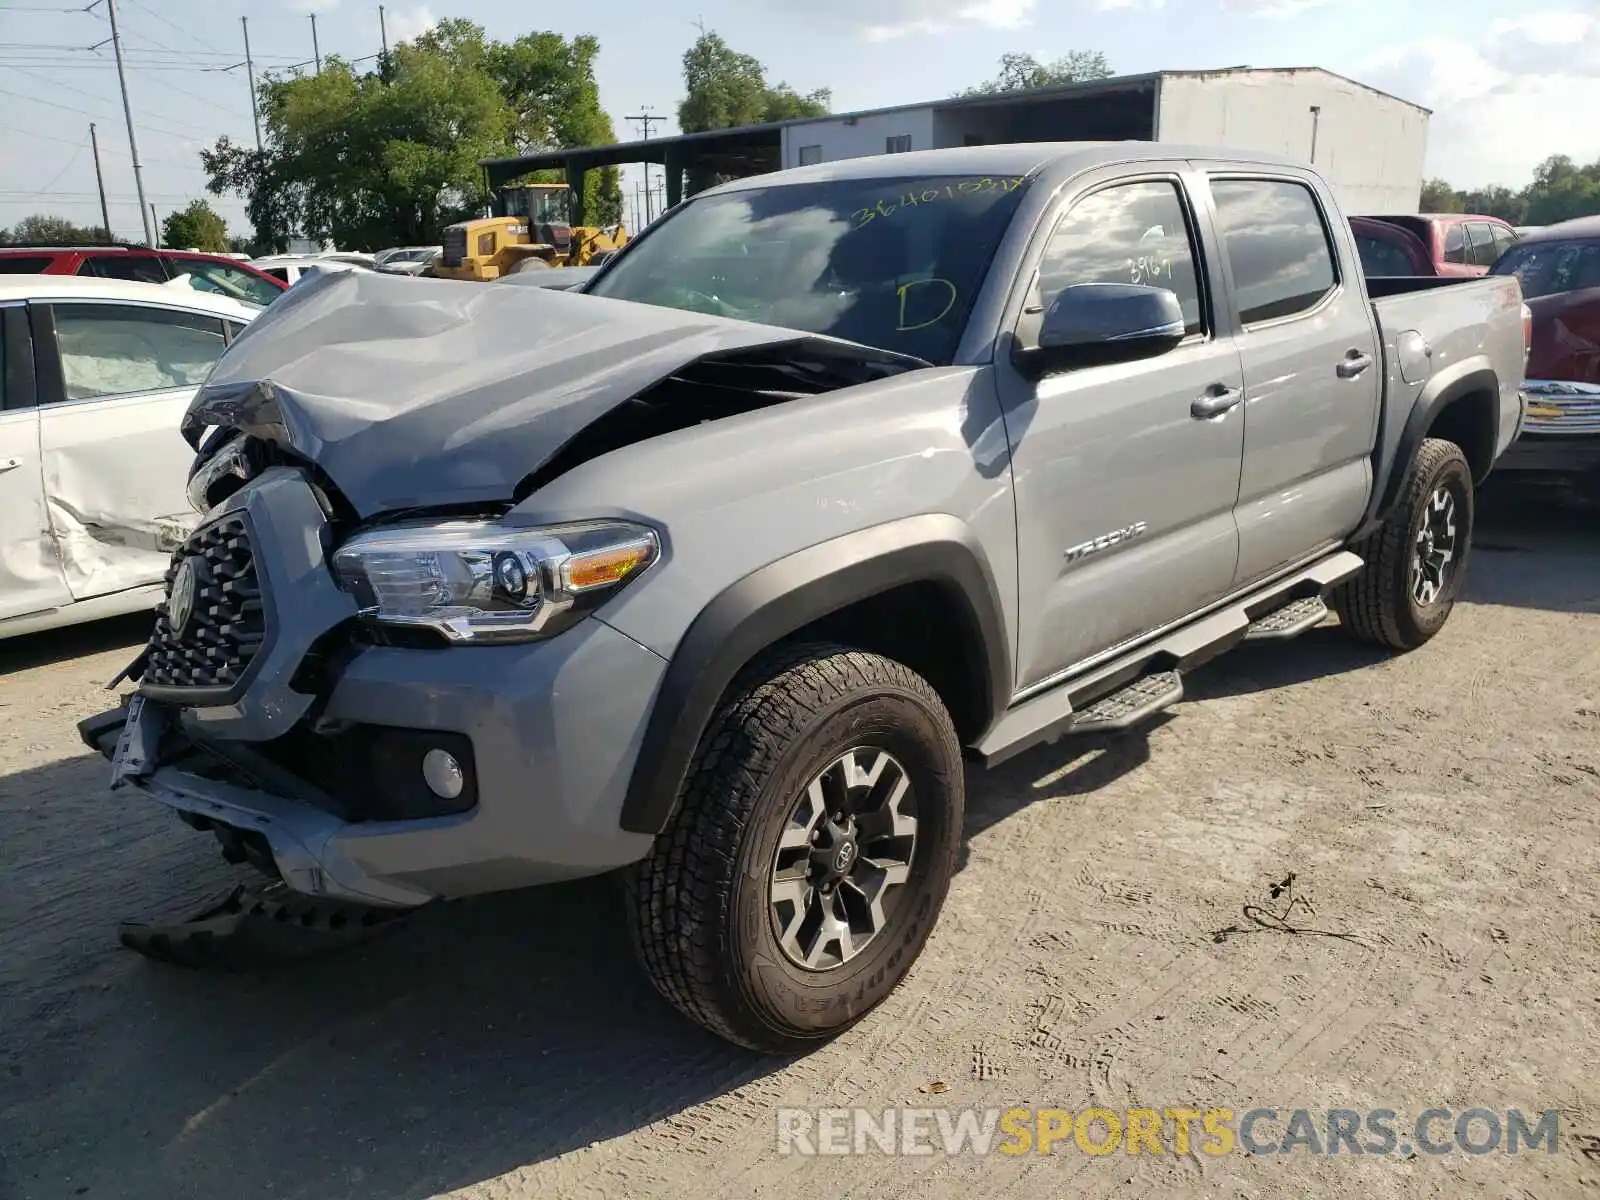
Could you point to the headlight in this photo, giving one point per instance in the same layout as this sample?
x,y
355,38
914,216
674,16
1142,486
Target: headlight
x,y
484,582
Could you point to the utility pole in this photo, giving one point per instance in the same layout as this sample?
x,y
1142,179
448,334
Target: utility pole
x,y
1316,120
646,119
100,181
127,111
383,31
250,73
155,242
315,52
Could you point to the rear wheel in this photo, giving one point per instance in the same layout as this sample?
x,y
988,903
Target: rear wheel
x,y
810,853
1416,562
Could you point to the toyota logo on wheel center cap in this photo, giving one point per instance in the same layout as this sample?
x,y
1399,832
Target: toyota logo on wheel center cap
x,y
845,856
180,599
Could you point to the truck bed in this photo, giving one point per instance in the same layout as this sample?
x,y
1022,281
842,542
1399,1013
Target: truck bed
x,y
1429,325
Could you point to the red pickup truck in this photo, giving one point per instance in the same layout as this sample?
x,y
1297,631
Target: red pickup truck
x,y
1458,244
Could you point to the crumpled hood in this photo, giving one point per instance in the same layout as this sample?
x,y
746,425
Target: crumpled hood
x,y
431,392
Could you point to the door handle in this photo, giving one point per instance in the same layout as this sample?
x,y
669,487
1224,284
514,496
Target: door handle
x,y
1217,400
1354,363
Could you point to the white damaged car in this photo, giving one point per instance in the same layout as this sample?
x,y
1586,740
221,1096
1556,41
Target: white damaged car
x,y
95,375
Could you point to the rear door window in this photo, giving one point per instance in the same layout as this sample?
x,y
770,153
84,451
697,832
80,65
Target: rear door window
x,y
137,268
18,264
1504,239
1480,236
1277,244
118,349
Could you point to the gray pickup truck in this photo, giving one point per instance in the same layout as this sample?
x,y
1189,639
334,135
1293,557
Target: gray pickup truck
x,y
717,569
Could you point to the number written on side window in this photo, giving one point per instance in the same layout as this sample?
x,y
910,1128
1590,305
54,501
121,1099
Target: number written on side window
x,y
1277,246
116,349
1128,233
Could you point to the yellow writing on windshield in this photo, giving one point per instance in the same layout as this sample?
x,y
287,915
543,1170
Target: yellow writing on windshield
x,y
905,290
914,197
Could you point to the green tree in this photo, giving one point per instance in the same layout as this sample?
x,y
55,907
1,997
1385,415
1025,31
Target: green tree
x,y
1496,201
391,156
724,89
197,227
44,230
1023,72
1438,196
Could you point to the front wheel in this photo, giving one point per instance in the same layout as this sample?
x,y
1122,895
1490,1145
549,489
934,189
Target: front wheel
x,y
810,852
1416,561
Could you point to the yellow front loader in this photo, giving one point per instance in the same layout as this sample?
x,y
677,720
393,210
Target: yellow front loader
x,y
538,227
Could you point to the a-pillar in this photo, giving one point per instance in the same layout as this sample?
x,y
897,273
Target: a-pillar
x,y
675,165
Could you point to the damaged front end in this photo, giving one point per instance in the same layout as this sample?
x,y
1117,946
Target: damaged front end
x,y
362,448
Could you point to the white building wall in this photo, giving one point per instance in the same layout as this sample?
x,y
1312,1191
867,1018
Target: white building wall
x,y
1370,147
868,135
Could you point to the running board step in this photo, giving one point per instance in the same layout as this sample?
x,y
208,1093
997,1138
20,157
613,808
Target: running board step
x,y
1142,698
1291,620
1052,711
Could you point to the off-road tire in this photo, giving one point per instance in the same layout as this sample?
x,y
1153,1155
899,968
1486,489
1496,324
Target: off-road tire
x,y
1378,605
699,904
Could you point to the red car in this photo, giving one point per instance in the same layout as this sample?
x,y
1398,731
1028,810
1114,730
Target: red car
x,y
1458,244
1559,268
209,272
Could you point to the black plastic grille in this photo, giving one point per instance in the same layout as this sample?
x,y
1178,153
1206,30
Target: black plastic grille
x,y
227,623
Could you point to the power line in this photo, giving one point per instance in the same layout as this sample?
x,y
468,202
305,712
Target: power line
x,y
47,137
199,41
84,112
96,195
57,177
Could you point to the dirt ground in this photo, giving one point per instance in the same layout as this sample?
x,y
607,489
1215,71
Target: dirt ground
x,y
1105,942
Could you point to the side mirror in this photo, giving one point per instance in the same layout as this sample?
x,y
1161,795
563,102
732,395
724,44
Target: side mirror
x,y
1094,324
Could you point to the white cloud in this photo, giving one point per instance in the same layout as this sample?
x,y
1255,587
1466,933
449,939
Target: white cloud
x,y
404,26
1503,106
1272,10
893,19
313,6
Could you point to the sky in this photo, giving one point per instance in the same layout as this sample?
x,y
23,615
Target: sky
x,y
1508,86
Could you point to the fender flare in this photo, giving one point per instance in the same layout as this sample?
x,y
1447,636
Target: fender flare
x,y
774,601
1442,390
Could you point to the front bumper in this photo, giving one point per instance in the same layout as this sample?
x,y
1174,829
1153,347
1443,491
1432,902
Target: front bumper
x,y
554,729
1560,431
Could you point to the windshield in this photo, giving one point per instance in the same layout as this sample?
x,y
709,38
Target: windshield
x,y
227,281
890,263
1545,268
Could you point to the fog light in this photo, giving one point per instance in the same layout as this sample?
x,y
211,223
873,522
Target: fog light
x,y
443,774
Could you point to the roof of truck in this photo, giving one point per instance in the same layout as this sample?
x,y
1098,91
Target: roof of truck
x,y
1014,158
1577,227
